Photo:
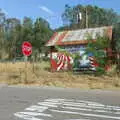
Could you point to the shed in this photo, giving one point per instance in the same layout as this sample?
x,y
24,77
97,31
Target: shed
x,y
72,41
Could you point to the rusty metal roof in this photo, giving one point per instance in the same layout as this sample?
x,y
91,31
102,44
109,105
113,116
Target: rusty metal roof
x,y
78,36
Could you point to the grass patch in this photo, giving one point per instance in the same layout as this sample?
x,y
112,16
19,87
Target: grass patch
x,y
39,74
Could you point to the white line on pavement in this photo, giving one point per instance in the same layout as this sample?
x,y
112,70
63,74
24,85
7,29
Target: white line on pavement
x,y
84,114
89,110
37,108
47,105
74,107
55,100
94,107
77,119
33,114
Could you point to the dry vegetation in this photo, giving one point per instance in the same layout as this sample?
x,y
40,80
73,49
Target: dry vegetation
x,y
39,74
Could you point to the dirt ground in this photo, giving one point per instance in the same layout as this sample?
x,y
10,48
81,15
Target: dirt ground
x,y
39,74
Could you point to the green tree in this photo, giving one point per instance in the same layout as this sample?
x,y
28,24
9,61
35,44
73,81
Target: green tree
x,y
116,43
42,34
13,33
11,36
97,49
27,29
92,16
2,34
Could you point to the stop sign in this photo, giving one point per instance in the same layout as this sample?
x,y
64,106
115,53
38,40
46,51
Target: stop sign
x,y
26,48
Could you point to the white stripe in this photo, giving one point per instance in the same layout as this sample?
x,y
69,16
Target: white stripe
x,y
90,115
55,100
48,105
68,112
73,108
101,105
26,117
77,119
86,102
33,114
73,103
94,107
81,103
37,108
90,110
61,61
52,103
89,102
93,104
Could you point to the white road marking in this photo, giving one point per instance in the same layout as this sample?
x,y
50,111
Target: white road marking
x,y
37,108
77,119
90,110
88,102
97,104
52,103
55,100
46,104
90,115
83,109
93,104
73,103
94,107
26,117
74,107
33,114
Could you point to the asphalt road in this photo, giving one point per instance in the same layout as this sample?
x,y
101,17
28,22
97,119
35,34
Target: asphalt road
x,y
45,103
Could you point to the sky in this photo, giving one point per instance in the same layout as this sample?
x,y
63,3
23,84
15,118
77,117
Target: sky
x,y
50,10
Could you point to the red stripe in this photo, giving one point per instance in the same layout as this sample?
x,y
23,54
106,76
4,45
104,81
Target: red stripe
x,y
59,42
52,38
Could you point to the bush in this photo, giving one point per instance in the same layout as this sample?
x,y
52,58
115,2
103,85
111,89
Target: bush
x,y
100,71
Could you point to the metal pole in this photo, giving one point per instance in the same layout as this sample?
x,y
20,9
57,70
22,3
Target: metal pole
x,y
26,69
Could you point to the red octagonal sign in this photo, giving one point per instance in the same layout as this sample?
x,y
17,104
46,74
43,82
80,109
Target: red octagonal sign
x,y
27,48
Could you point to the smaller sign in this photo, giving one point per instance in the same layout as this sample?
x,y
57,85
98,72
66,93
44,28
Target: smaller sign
x,y
26,48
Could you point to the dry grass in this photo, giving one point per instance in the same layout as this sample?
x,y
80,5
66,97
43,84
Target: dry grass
x,y
39,74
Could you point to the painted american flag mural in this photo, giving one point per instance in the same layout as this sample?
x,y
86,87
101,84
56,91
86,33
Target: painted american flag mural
x,y
60,61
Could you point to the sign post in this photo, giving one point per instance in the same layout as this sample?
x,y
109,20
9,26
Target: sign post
x,y
27,51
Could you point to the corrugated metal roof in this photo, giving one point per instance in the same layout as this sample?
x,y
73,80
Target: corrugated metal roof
x,y
78,36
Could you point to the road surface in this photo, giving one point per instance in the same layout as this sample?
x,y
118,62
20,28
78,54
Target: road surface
x,y
47,103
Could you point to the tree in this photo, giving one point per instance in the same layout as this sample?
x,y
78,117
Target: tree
x,y
13,33
27,29
116,43
98,51
11,36
42,34
91,15
2,34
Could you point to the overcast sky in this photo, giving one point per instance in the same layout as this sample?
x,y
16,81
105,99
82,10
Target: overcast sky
x,y
51,10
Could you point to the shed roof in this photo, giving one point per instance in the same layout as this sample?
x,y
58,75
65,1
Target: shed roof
x,y
78,36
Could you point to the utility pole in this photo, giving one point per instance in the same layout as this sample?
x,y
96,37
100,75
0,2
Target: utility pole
x,y
86,17
79,17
